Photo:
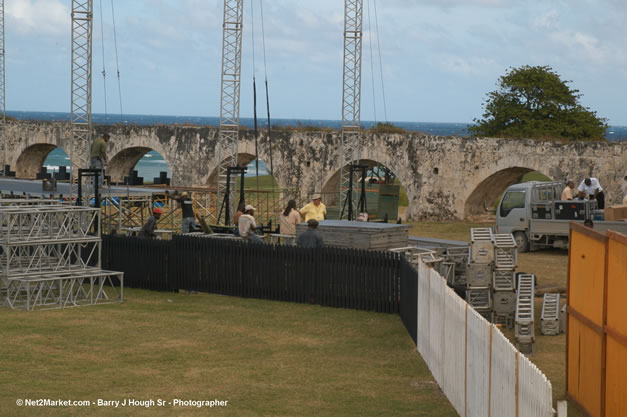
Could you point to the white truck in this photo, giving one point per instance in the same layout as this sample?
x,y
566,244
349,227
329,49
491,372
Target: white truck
x,y
535,215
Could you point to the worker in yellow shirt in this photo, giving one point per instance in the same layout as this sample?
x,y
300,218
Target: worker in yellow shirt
x,y
314,210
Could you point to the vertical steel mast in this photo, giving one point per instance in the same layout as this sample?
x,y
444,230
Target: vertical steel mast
x,y
82,13
229,100
2,88
351,95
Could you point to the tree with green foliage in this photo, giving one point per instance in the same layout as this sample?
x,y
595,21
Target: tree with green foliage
x,y
533,102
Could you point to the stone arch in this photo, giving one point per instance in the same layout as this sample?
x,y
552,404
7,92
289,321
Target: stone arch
x,y
330,188
491,188
32,158
125,160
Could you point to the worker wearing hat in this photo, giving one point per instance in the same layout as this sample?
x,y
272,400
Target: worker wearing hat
x,y
247,225
315,210
148,230
187,207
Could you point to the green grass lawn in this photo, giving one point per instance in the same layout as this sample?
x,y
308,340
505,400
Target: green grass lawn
x,y
264,357
266,182
551,270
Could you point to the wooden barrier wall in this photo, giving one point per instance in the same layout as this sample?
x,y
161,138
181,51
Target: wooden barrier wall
x,y
596,349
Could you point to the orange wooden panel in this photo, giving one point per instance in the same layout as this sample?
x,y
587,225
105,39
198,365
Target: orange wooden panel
x,y
616,379
617,286
587,276
584,366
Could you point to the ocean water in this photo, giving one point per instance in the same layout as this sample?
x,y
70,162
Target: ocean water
x,y
153,163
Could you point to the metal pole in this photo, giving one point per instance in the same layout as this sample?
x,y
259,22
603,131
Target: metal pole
x,y
349,195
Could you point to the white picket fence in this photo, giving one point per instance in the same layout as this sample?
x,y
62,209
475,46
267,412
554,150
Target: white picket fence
x,y
479,370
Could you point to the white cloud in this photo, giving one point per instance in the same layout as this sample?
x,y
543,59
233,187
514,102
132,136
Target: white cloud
x,y
466,65
547,20
38,17
584,46
452,3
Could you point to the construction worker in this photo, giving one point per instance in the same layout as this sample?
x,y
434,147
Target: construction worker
x,y
247,225
148,230
310,238
289,219
567,192
591,188
315,210
98,156
187,206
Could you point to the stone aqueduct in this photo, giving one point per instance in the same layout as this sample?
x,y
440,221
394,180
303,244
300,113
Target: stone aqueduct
x,y
444,177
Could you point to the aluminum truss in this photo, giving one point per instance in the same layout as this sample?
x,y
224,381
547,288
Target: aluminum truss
x,y
351,93
68,289
50,257
229,100
3,86
82,14
48,223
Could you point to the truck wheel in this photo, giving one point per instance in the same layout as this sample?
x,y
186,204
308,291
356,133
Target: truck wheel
x,y
522,241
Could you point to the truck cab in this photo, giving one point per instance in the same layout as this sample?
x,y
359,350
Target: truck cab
x,y
535,215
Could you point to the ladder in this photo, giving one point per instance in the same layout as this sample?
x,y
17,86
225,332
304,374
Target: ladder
x,y
524,323
550,318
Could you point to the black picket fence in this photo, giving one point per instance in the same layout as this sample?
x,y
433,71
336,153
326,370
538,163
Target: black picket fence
x,y
334,277
409,299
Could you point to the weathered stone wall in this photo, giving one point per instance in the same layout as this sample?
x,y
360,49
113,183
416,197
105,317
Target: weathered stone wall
x,y
444,177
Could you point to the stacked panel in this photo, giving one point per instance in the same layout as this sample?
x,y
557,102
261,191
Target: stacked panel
x,y
50,257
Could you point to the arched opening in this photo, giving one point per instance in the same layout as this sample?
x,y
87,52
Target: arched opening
x,y
385,194
489,191
41,160
150,166
261,191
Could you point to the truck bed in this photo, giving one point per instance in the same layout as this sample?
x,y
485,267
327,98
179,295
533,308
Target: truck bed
x,y
561,227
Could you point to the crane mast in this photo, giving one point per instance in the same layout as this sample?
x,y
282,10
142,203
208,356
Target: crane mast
x,y
229,103
2,87
80,119
351,98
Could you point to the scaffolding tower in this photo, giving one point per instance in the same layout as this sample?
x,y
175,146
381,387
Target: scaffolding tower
x,y
229,102
82,14
351,95
2,88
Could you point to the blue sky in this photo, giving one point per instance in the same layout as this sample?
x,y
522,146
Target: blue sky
x,y
439,57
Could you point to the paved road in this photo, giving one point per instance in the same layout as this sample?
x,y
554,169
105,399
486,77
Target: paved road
x,y
33,188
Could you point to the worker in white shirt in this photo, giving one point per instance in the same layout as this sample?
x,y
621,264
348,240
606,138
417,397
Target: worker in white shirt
x,y
591,187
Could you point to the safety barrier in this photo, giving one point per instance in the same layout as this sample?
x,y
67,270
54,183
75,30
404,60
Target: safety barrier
x,y
334,277
479,370
596,345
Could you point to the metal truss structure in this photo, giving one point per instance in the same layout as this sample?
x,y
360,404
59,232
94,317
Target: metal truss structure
x,y
68,289
3,85
351,93
43,224
81,121
50,257
230,96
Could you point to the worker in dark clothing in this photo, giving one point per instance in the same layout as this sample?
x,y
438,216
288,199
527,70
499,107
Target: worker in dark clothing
x,y
98,156
187,206
148,230
310,238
